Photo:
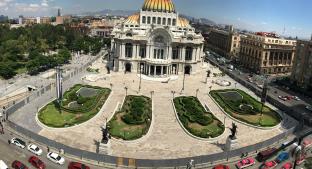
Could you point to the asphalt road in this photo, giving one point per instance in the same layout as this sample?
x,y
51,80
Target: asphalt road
x,y
10,152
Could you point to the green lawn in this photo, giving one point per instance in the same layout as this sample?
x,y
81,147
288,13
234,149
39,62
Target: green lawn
x,y
133,120
229,100
196,119
53,116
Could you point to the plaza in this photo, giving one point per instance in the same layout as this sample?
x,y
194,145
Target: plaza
x,y
165,139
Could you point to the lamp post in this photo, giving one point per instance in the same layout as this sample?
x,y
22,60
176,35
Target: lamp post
x,y
152,93
141,69
173,92
197,90
235,84
183,77
111,86
126,88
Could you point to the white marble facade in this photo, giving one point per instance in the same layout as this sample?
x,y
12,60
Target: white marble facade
x,y
156,42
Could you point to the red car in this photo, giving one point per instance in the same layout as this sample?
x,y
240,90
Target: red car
x,y
36,162
76,165
268,165
18,165
245,163
220,166
287,166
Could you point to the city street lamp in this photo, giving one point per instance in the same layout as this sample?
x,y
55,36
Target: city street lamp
x,y
141,69
235,85
173,92
152,93
197,90
126,88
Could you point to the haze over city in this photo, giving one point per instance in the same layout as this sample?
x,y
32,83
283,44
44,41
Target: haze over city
x,y
286,17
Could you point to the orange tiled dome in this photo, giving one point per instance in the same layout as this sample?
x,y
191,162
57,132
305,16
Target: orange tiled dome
x,y
158,5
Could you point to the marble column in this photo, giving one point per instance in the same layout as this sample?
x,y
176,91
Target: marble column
x,y
183,53
123,51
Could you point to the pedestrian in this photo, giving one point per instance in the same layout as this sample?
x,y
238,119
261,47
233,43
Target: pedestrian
x,y
48,149
9,141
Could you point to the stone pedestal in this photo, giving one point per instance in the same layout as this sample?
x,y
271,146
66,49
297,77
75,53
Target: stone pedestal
x,y
230,144
105,148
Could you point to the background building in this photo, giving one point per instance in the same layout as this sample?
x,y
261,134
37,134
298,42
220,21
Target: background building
x,y
157,42
266,53
224,42
302,68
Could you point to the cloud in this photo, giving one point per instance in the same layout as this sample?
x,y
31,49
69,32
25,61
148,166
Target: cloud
x,y
44,3
4,3
264,23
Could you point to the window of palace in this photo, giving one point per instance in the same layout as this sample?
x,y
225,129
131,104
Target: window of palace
x,y
159,53
175,52
129,48
143,51
188,53
169,21
174,22
159,20
154,20
143,19
148,20
164,21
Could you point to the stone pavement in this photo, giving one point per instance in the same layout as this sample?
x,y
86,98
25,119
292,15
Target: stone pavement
x,y
166,138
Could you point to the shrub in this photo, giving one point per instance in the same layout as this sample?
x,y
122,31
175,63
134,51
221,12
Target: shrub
x,y
82,100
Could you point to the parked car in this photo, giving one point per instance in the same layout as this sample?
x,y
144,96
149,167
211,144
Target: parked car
x,y
36,162
221,166
264,155
54,157
300,160
283,156
34,149
268,165
76,165
309,108
18,165
18,142
282,98
296,98
287,165
245,163
3,165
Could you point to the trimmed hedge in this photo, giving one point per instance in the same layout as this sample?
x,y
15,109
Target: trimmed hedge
x,y
232,108
191,111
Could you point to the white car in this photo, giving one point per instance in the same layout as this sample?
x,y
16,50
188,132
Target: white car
x,y
34,149
18,142
54,157
3,165
297,98
309,108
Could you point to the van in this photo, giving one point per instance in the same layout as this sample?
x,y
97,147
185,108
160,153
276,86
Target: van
x,y
3,165
266,154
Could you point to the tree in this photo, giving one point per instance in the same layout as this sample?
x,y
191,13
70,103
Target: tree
x,y
6,71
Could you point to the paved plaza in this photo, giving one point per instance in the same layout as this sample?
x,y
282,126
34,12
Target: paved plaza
x,y
165,139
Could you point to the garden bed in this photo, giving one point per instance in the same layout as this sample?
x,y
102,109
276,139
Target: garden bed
x,y
83,108
245,108
196,119
133,120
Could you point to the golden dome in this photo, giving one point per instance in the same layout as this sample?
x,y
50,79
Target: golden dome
x,y
133,19
158,5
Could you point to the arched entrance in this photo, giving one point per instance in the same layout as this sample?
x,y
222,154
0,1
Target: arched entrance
x,y
187,69
128,67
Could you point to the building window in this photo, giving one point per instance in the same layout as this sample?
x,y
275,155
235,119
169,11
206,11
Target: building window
x,y
169,21
148,20
164,21
175,52
188,53
143,19
143,51
154,20
174,22
129,48
158,20
159,53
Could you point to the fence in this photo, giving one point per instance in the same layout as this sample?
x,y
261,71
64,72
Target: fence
x,y
112,160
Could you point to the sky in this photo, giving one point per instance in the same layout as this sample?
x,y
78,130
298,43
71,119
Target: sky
x,y
286,17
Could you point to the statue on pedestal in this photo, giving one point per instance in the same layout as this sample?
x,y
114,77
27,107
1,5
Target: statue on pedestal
x,y
233,131
105,135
